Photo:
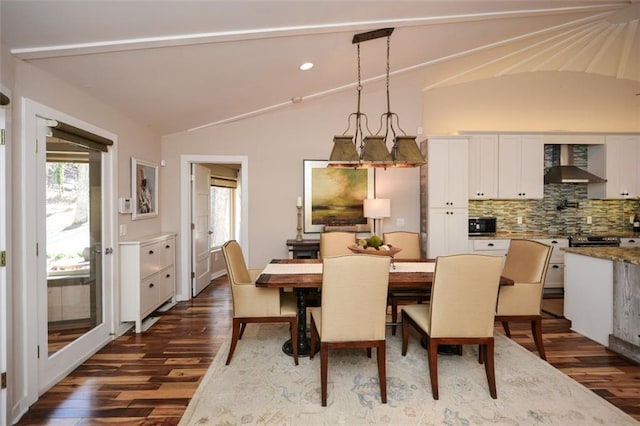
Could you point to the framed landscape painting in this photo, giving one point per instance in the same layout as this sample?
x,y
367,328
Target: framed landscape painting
x,y
335,196
144,189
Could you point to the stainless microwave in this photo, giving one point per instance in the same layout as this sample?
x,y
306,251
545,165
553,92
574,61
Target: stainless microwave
x,y
482,225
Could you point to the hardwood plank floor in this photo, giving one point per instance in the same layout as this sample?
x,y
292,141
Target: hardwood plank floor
x,y
148,379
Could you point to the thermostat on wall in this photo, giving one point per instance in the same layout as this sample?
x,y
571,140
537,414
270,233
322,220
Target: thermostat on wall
x,y
124,205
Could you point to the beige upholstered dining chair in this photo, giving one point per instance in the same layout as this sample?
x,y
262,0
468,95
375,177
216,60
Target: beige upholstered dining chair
x,y
253,304
353,311
335,243
462,310
409,242
526,264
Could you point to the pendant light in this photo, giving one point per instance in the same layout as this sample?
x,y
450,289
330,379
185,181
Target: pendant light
x,y
359,151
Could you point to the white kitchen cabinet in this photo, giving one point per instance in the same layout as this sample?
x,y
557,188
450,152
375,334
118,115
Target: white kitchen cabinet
x,y
630,242
617,161
147,276
483,167
491,247
555,273
447,196
520,167
448,232
447,162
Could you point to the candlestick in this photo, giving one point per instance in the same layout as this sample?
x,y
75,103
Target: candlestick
x,y
299,235
299,202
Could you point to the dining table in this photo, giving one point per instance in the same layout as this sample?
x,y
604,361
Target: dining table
x,y
304,276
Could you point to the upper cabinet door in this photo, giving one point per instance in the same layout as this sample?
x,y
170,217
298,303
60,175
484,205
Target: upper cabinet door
x,y
447,173
621,158
483,167
520,167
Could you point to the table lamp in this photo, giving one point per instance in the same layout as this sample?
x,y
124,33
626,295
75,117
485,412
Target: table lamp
x,y
377,209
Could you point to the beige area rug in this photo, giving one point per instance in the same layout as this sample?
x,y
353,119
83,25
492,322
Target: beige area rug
x,y
263,386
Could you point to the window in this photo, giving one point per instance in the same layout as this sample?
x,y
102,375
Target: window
x,y
222,215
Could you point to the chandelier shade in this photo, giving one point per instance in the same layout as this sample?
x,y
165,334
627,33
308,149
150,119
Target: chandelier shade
x,y
375,153
406,152
344,154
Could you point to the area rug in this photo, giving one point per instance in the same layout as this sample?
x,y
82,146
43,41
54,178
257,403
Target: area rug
x,y
263,386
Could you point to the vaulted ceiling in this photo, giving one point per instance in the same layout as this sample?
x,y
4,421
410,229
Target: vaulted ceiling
x,y
178,65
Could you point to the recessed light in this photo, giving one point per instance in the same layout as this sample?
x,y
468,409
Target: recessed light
x,y
306,66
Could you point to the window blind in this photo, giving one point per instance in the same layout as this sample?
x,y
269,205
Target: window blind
x,y
78,136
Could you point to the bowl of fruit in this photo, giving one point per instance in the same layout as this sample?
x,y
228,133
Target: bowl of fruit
x,y
374,245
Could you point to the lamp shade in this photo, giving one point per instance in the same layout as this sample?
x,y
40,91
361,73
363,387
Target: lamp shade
x,y
406,152
377,208
375,153
344,153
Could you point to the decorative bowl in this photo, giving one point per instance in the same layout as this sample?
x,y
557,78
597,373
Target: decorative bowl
x,y
360,250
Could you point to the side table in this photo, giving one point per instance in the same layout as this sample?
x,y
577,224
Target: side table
x,y
305,249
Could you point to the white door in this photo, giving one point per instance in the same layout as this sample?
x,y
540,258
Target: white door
x,y
74,246
4,418
200,207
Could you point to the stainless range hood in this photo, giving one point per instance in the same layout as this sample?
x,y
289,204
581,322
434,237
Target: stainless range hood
x,y
566,172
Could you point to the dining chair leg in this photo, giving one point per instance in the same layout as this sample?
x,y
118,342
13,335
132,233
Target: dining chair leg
x,y
432,354
244,325
488,350
381,351
536,331
324,355
235,332
405,334
368,352
314,339
505,325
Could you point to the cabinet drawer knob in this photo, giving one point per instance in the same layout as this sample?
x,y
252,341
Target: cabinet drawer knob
x,y
632,241
150,251
167,246
490,244
554,242
151,285
555,266
168,275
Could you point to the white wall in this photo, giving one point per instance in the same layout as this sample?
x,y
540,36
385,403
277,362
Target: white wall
x,y
276,145
542,101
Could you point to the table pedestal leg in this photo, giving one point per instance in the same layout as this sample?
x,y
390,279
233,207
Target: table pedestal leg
x,y
304,345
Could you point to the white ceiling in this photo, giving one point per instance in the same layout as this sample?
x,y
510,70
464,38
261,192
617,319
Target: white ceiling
x,y
178,65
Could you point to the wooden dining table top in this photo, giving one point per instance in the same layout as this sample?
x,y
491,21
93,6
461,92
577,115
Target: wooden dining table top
x,y
397,279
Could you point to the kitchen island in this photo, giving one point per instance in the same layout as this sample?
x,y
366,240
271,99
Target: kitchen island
x,y
602,296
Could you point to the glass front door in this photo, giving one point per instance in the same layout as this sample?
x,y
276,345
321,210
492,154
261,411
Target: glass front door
x,y
74,242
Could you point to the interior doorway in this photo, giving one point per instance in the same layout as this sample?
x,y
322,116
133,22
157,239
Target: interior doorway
x,y
215,213
188,252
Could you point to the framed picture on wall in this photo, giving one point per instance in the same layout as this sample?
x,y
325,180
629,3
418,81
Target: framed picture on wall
x,y
335,196
144,189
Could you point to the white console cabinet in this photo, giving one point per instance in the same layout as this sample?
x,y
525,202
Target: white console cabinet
x,y
147,276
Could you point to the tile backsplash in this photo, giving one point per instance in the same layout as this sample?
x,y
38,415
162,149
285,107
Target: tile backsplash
x,y
607,216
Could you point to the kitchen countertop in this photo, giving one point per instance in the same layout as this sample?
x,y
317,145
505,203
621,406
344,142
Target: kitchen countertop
x,y
513,235
541,235
620,254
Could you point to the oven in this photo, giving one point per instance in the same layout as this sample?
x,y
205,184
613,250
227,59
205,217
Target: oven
x,y
593,241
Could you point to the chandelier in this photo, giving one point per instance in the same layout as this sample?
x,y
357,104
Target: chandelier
x,y
360,151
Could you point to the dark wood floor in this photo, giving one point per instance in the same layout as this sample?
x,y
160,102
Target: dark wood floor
x,y
148,379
